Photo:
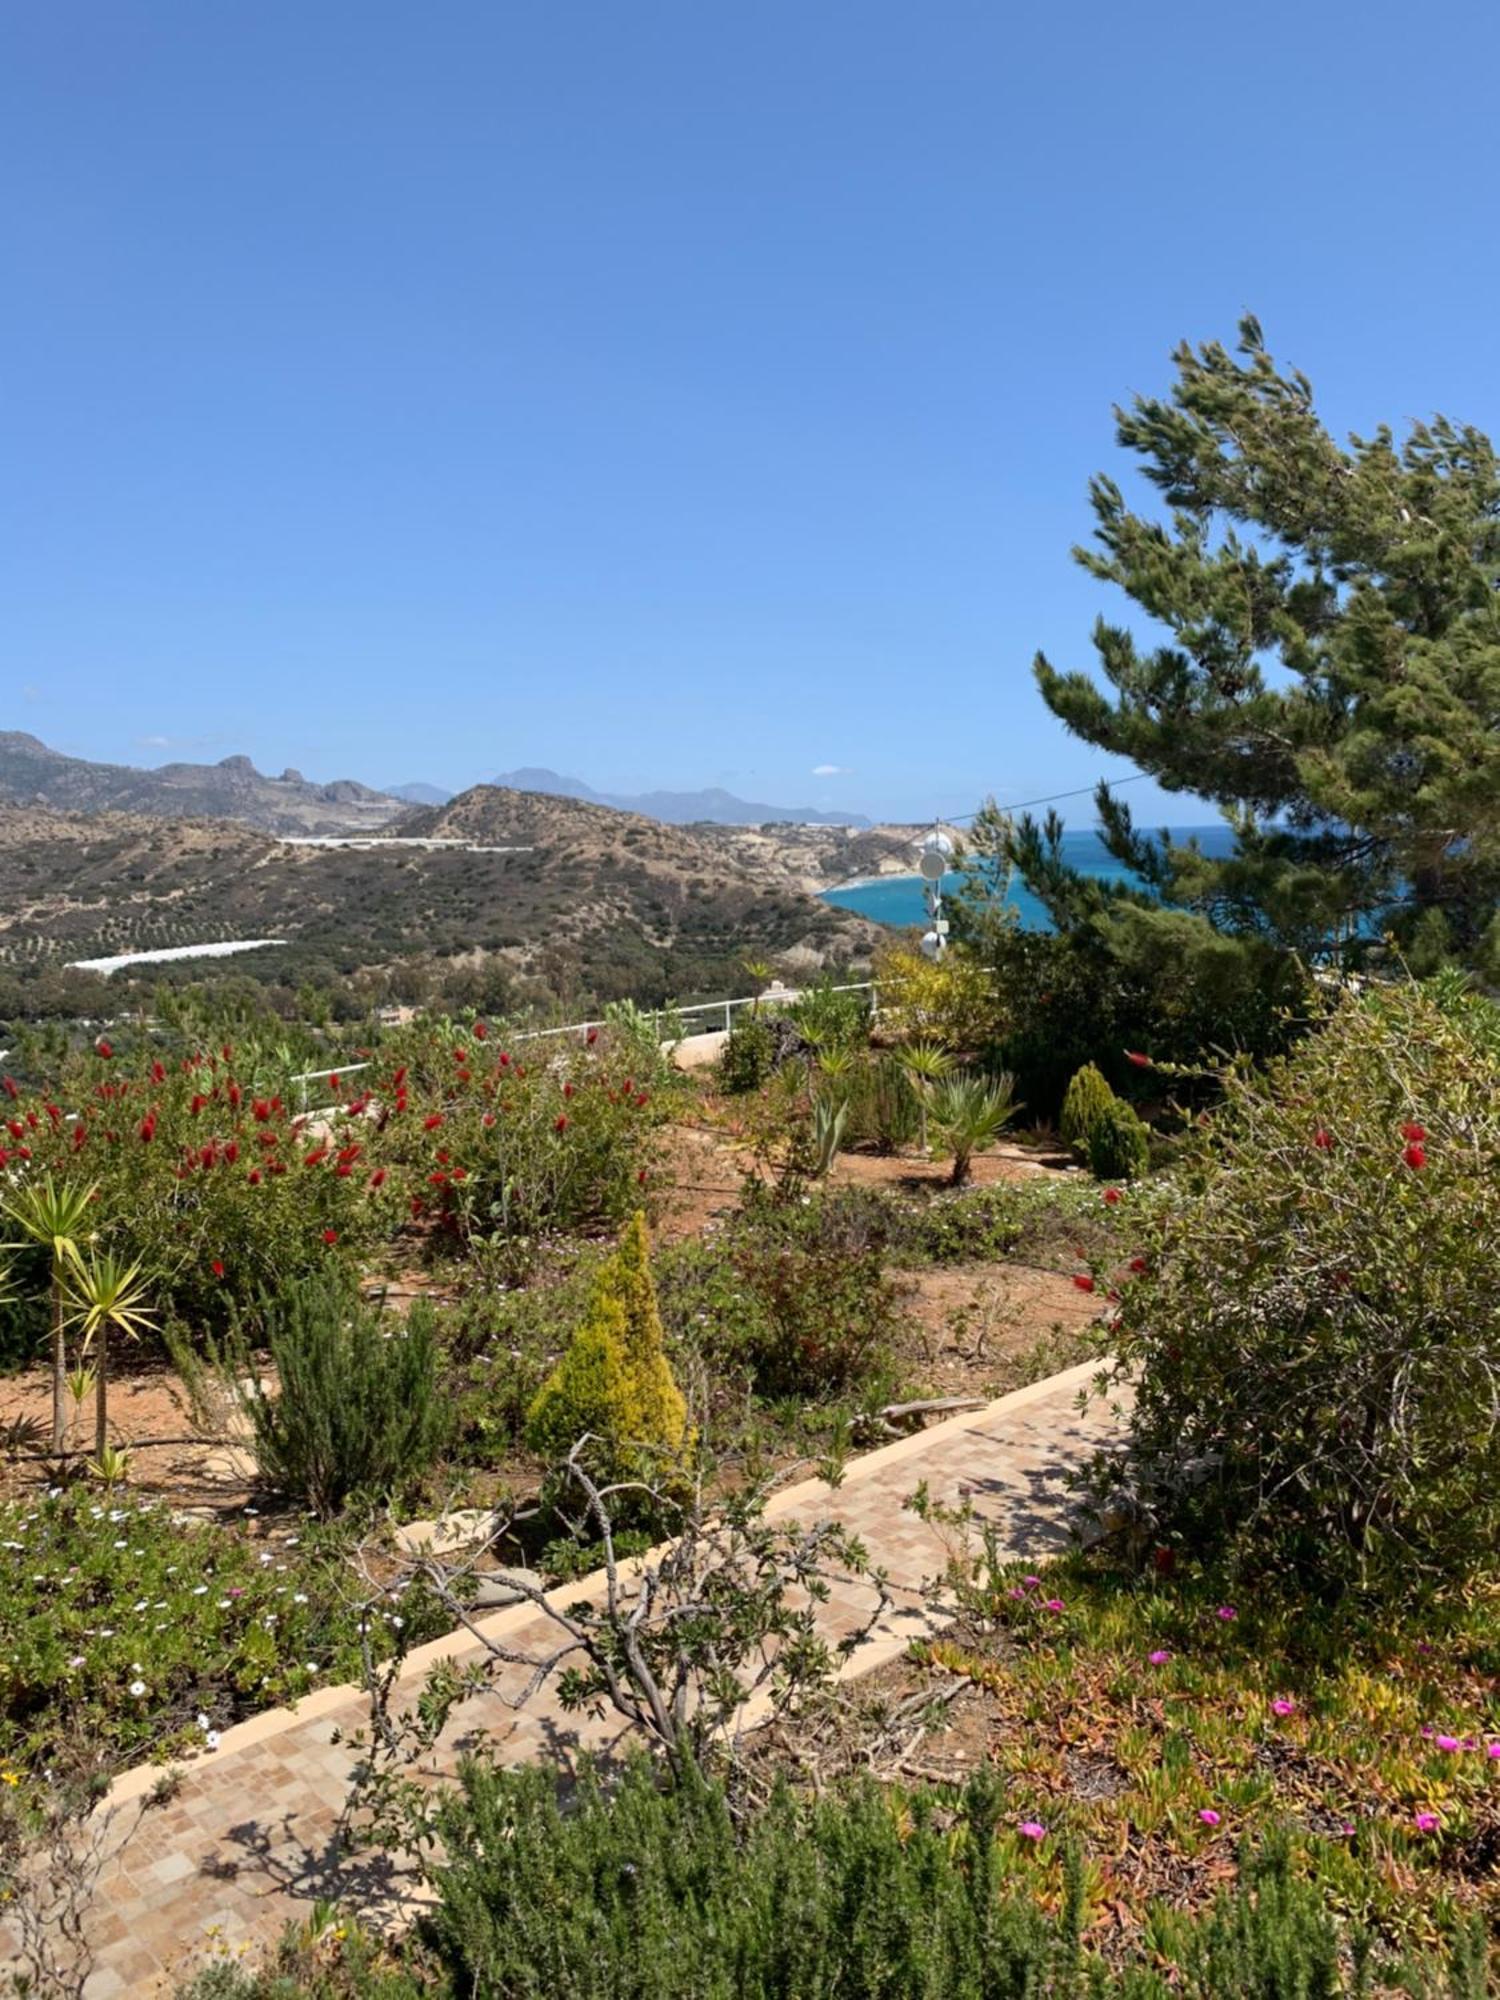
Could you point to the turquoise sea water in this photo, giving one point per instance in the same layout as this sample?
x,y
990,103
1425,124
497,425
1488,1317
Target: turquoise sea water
x,y
897,899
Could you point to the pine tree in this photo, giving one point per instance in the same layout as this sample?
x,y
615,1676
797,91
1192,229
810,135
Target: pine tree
x,y
1331,675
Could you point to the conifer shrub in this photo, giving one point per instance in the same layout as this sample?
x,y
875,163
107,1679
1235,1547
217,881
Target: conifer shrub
x,y
748,1056
1119,1146
1088,1097
614,1384
357,1412
1313,1331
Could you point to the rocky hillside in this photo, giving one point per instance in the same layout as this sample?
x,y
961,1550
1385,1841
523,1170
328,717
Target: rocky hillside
x,y
605,904
33,774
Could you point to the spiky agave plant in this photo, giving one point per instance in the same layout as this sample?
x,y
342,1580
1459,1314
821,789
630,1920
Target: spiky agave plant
x,y
54,1213
970,1114
106,1294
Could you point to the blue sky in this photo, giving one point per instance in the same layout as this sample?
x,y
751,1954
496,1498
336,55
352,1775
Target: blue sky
x,y
674,394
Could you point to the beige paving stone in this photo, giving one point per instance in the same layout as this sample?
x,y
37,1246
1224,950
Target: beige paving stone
x,y
248,1843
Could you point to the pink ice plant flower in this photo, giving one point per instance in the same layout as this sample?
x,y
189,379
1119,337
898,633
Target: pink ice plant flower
x,y
1226,1612
1160,1657
1427,1822
1446,1742
1283,1705
1209,1817
1032,1829
1053,1604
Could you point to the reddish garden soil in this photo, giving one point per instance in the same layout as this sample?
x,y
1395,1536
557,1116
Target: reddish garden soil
x,y
969,1320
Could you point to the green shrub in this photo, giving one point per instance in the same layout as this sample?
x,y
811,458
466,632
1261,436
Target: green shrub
x,y
747,1057
827,1019
828,1316
1119,1144
881,1107
648,1893
1088,1098
614,1383
1315,1336
357,1410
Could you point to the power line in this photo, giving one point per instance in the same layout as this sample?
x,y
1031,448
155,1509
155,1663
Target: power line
x,y
1017,805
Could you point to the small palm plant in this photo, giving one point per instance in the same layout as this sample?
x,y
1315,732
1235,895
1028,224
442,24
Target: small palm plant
x,y
926,1064
53,1213
760,974
106,1294
970,1114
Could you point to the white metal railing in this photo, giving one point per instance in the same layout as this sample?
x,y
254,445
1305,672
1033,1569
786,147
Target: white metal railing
x,y
720,1013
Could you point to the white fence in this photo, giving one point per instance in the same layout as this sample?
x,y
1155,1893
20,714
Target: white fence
x,y
712,1017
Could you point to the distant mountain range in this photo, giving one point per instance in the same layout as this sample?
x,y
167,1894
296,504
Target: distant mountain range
x,y
675,808
33,774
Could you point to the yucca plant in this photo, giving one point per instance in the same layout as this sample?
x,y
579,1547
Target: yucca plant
x,y
53,1213
106,1293
926,1064
828,1119
970,1114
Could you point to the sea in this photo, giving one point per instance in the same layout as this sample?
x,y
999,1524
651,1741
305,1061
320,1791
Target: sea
x,y
898,899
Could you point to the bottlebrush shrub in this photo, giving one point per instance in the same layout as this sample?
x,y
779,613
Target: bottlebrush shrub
x,y
214,1184
1314,1335
517,1143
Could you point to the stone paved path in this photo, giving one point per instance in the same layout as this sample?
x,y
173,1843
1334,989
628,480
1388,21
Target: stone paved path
x,y
247,1846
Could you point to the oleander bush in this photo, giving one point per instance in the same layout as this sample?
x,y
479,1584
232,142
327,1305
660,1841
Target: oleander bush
x,y
1313,1333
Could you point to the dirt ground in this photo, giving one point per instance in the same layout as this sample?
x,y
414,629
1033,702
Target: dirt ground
x,y
964,1323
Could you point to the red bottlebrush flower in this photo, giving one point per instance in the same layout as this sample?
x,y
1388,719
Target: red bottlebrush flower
x,y
399,1078
504,1059
217,1267
1416,1133
480,1031
158,1073
11,1089
276,1167
567,1090
416,1206
1138,1265
53,1111
643,1100
235,1094
464,1076
1083,1281
1323,1139
590,1038
438,1179
333,1081
268,1138
459,1174
377,1179
442,1156
343,1170
32,1120
207,1157
253,1177
1111,1196
232,1151
330,1237
350,1153
23,1152
313,1158
146,1130
199,1100
560,1124
226,1052
1140,1061
401,1100
640,1179
488,1118
103,1048
432,1121
1415,1156
628,1087
15,1128
260,1110
1164,1561
113,1138
80,1137
460,1053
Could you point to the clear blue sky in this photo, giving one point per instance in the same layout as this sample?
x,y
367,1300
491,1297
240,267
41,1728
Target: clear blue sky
x,y
676,393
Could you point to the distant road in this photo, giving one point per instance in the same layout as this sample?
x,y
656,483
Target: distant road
x,y
390,840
